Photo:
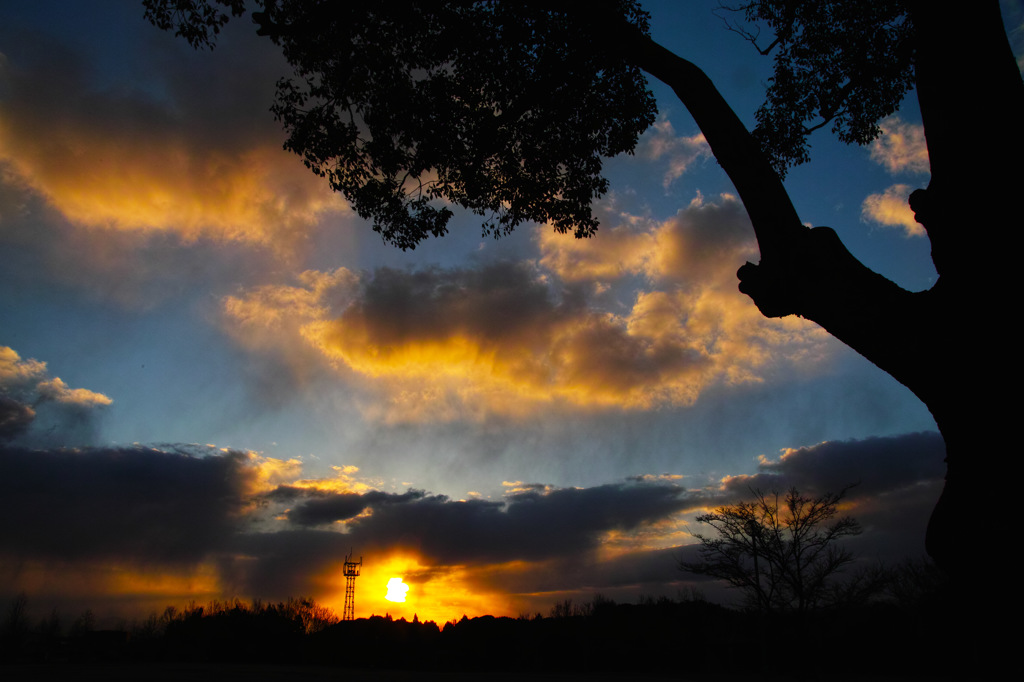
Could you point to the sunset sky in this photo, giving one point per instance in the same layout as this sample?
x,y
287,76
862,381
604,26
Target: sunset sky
x,y
216,381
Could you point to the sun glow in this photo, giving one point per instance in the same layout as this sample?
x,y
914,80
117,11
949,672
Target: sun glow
x,y
396,590
437,593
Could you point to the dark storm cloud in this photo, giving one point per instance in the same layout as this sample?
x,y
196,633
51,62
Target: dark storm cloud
x,y
172,508
896,482
877,465
141,504
281,563
15,418
638,571
50,83
330,507
119,503
504,304
558,528
530,525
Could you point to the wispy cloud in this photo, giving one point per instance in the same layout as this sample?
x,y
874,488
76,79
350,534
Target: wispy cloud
x,y
662,142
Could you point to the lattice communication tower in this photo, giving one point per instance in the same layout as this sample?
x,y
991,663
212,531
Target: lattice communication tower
x,y
351,573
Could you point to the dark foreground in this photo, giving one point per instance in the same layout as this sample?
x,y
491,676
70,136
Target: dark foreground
x,y
184,672
694,641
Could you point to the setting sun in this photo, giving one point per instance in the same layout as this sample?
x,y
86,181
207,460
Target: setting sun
x,y
396,590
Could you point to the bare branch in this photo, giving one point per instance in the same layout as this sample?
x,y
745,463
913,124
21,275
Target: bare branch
x,y
735,27
779,552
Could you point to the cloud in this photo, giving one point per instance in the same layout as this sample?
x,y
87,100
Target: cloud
x,y
877,465
325,508
185,503
16,373
273,322
55,389
901,147
160,159
620,251
661,141
897,481
174,520
130,503
698,248
528,526
15,418
891,208
513,339
175,511
47,255
497,339
25,388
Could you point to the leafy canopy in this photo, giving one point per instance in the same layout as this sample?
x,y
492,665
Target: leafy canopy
x,y
507,108
406,108
839,63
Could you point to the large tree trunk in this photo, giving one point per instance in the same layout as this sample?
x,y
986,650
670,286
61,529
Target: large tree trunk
x,y
972,105
948,344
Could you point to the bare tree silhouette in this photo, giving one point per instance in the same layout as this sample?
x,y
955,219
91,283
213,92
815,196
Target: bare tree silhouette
x,y
783,554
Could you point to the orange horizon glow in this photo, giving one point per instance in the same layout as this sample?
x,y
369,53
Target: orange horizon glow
x,y
440,594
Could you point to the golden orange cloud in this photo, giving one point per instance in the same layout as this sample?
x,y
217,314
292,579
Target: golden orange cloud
x,y
266,473
344,481
892,209
30,375
55,389
610,254
262,195
901,147
116,162
464,344
14,371
666,533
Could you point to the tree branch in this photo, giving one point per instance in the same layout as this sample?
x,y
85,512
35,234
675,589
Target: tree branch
x,y
806,272
776,223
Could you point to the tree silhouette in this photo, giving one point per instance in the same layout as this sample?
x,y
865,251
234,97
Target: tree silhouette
x,y
507,108
783,555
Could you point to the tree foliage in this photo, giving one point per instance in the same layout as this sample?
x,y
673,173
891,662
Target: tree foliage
x,y
783,554
505,109
197,21
839,63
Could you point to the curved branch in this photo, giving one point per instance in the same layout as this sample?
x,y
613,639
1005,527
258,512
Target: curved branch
x,y
776,223
802,271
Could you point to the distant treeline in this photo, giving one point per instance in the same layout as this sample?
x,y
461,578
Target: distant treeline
x,y
687,635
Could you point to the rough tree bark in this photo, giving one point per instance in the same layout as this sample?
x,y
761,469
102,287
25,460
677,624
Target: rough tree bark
x,y
951,344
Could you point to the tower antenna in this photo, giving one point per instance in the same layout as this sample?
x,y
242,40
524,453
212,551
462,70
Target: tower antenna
x,y
351,573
